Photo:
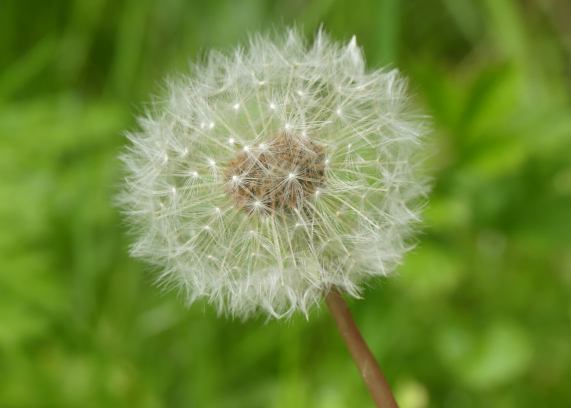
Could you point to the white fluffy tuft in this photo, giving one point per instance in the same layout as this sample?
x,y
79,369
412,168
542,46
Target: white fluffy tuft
x,y
352,224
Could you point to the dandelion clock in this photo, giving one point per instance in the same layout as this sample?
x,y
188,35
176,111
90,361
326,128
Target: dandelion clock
x,y
276,176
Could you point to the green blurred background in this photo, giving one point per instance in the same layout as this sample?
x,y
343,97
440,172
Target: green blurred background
x,y
479,315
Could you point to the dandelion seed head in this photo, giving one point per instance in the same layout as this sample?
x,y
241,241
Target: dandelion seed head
x,y
260,195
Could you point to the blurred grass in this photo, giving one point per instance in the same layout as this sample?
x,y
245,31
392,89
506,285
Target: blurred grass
x,y
479,314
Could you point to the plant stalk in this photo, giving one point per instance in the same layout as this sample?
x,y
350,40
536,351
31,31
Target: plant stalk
x,y
364,359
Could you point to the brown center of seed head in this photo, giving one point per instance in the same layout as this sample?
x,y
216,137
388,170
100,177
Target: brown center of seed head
x,y
278,175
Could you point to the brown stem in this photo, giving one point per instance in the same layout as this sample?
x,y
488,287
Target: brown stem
x,y
364,359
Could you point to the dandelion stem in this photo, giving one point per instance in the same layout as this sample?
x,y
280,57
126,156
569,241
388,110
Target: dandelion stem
x,y
364,359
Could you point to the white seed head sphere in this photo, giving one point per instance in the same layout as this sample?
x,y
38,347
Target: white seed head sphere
x,y
275,173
